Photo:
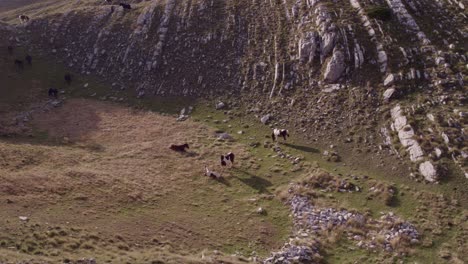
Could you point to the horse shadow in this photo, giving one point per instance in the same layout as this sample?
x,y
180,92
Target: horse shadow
x,y
190,154
302,148
253,181
223,180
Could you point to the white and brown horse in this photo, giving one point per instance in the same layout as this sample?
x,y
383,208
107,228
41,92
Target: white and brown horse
x,y
212,174
227,158
279,133
23,18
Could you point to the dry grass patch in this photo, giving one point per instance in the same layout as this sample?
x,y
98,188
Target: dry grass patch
x,y
108,169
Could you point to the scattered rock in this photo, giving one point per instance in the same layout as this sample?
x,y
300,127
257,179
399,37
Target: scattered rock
x,y
428,171
220,105
389,80
265,119
388,94
224,136
335,67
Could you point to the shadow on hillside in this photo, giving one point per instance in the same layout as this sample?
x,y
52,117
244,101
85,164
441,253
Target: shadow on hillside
x,y
224,181
188,153
253,181
302,148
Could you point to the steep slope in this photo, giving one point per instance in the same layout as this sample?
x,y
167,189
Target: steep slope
x,y
397,66
378,85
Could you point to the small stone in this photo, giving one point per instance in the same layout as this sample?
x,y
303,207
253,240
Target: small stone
x,y
265,119
389,80
261,211
220,105
388,94
24,218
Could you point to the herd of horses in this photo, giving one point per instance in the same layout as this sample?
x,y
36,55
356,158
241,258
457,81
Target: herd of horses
x,y
229,157
19,64
25,19
224,159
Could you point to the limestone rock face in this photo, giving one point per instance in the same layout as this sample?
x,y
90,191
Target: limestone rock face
x,y
308,47
406,134
335,67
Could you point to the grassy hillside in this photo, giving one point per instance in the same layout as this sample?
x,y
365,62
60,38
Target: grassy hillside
x,y
89,175
95,179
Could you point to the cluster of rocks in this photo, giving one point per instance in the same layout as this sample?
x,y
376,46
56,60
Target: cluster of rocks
x,y
330,155
406,136
283,155
390,232
312,220
22,118
185,113
291,253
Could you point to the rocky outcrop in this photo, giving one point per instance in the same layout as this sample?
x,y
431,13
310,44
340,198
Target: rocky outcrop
x,y
335,67
310,222
407,20
406,134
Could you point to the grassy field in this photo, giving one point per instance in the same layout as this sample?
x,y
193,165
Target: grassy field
x,y
96,179
106,168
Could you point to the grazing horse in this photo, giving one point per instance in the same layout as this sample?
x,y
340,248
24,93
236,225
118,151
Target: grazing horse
x,y
23,18
53,92
19,64
212,174
180,148
28,59
279,132
10,50
228,157
68,78
125,6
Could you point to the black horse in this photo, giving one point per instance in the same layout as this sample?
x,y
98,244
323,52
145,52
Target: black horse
x,y
19,64
68,78
53,92
125,6
28,59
